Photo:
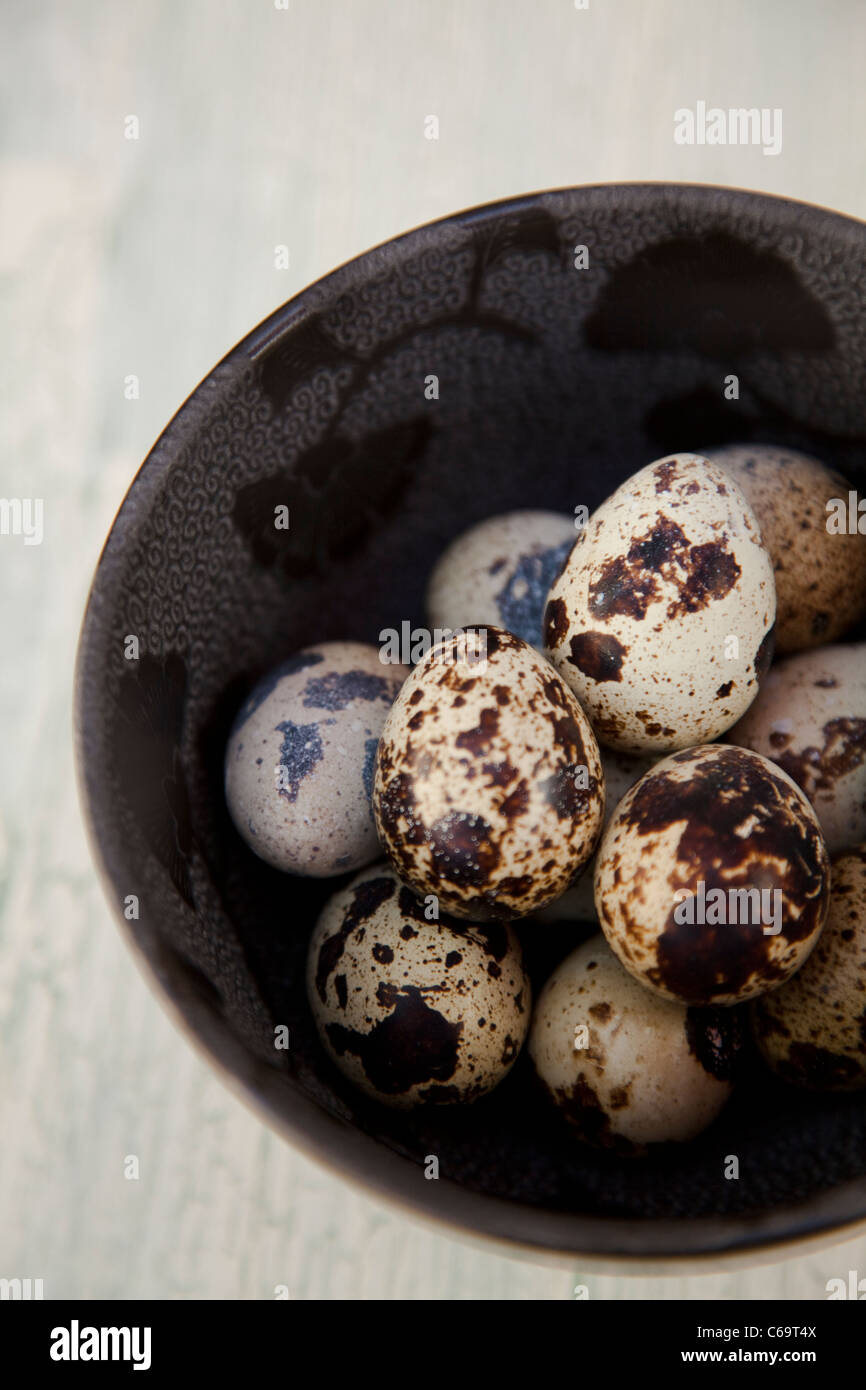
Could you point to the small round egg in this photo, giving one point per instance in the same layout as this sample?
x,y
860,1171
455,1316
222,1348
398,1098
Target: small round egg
x,y
625,1067
810,718
661,620
413,1010
812,1031
300,757
712,880
577,904
489,789
820,573
499,572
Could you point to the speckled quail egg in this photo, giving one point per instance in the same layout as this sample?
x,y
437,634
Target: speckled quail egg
x,y
414,1010
299,761
499,572
661,619
626,1067
810,718
577,904
812,1031
489,789
820,573
712,880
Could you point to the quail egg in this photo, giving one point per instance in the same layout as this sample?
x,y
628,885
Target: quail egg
x,y
489,789
812,1031
499,572
299,761
412,1008
810,718
661,620
712,880
626,1067
820,571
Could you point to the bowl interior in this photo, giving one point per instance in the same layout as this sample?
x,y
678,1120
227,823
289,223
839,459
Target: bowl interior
x,y
559,374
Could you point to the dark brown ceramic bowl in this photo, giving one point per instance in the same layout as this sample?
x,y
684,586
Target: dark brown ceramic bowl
x,y
555,383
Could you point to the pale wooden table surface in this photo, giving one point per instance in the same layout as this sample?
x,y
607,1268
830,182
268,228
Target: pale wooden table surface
x,y
261,126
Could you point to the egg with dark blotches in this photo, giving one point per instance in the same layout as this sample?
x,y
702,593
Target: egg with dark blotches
x,y
661,620
489,789
499,572
820,571
810,718
625,1067
414,1009
712,880
812,1031
300,757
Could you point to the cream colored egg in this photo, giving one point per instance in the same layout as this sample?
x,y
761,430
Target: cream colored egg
x,y
625,1067
661,620
299,761
414,1010
499,572
812,1031
489,789
820,568
810,718
712,880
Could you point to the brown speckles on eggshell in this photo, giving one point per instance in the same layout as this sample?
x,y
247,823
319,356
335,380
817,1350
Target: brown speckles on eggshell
x,y
463,851
367,896
730,820
478,741
664,474
820,576
810,718
627,584
717,1038
470,809
643,610
555,622
812,1031
817,769
639,1081
413,1015
598,655
517,801
710,573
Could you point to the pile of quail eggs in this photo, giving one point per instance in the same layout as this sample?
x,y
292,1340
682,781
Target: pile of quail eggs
x,y
596,732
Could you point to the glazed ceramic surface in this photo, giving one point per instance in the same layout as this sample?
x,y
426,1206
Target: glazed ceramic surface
x,y
555,384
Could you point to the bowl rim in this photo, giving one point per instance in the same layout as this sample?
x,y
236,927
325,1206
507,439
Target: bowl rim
x,y
516,1227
